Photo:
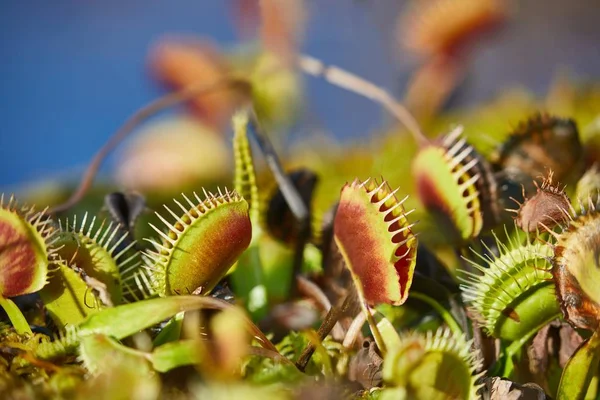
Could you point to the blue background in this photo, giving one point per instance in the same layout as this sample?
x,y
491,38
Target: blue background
x,y
71,71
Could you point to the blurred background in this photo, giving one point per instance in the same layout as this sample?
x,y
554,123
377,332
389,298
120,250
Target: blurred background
x,y
72,71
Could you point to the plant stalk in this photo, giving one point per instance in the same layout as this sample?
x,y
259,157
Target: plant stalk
x,y
16,316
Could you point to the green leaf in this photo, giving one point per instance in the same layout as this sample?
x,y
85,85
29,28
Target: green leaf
x,y
67,297
15,315
176,354
580,369
171,331
125,320
388,332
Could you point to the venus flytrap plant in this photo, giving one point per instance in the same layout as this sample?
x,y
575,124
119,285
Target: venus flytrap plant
x,y
93,272
436,365
374,236
575,273
27,240
125,320
588,185
512,294
266,272
575,268
446,179
540,143
547,208
200,245
247,278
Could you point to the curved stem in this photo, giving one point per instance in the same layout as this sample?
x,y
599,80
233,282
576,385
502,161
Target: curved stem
x,y
329,322
137,118
515,346
354,329
275,356
446,316
374,329
361,86
310,289
16,316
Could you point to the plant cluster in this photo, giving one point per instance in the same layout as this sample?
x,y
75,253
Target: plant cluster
x,y
477,277
231,288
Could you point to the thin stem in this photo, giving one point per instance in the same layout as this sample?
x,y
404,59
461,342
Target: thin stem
x,y
310,289
374,329
136,119
16,316
367,311
289,191
516,345
361,86
262,352
354,329
446,316
328,323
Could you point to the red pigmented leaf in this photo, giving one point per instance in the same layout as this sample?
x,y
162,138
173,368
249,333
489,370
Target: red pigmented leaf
x,y
443,27
184,62
376,240
24,249
548,207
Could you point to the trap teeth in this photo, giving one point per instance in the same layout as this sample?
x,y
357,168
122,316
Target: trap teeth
x,y
96,263
376,240
588,187
27,240
511,294
575,269
549,207
450,179
420,359
199,248
541,143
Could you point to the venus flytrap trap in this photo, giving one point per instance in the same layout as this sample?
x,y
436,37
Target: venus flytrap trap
x,y
374,236
515,287
265,273
547,208
201,244
588,185
27,240
446,178
93,271
67,296
373,233
512,293
575,268
575,273
125,320
436,365
540,143
247,278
